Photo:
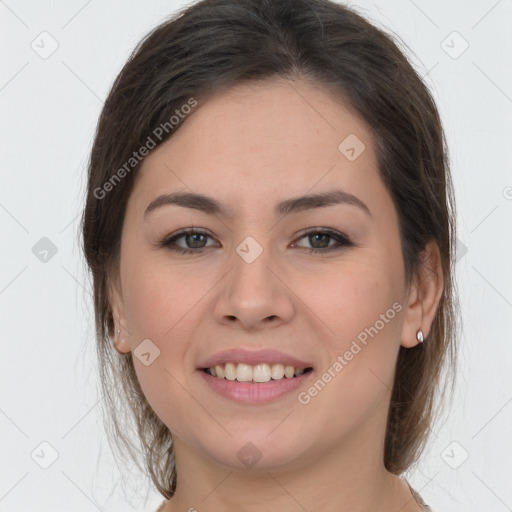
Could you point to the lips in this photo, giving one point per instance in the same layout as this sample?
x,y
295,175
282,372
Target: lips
x,y
254,393
259,390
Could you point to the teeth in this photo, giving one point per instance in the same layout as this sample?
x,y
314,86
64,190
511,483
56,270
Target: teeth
x,y
277,371
218,370
243,373
230,371
259,373
289,371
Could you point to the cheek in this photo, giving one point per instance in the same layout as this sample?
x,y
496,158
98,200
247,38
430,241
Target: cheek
x,y
363,312
353,300
354,384
162,301
165,303
161,305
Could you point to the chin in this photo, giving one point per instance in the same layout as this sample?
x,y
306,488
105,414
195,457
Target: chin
x,y
259,451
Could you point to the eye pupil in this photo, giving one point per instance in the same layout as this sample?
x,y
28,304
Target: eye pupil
x,y
194,238
325,237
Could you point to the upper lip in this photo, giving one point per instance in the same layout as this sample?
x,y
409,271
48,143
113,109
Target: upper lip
x,y
253,357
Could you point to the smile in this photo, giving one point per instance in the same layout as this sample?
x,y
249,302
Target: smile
x,y
250,376
263,372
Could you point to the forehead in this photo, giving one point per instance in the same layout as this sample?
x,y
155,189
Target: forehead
x,y
258,141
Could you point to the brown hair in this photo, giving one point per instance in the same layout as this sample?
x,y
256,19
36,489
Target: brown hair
x,y
215,44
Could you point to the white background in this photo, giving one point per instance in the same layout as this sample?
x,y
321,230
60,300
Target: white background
x,y
49,109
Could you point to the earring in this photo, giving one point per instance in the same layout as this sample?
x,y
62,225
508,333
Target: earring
x,y
118,332
419,335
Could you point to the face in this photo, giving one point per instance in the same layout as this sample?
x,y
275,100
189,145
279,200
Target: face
x,y
264,278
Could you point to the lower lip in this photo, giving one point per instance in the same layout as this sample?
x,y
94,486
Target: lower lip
x,y
254,392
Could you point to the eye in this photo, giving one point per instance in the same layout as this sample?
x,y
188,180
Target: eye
x,y
320,239
194,239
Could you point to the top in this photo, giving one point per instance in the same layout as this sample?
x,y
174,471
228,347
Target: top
x,y
419,500
415,494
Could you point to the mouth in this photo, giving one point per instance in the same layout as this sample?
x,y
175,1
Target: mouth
x,y
249,376
259,373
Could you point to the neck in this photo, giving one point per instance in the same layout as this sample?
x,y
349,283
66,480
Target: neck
x,y
351,477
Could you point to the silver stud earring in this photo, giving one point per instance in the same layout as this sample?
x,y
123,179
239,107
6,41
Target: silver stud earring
x,y
118,332
419,335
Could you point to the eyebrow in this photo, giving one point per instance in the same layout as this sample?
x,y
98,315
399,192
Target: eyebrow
x,y
211,206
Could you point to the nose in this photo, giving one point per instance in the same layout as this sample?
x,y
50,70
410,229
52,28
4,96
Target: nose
x,y
254,294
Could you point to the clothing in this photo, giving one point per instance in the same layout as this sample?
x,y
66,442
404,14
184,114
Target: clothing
x,y
417,497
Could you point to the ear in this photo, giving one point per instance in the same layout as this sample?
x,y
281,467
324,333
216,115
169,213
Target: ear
x,y
424,295
115,294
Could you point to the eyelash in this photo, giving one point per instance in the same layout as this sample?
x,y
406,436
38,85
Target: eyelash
x,y
343,240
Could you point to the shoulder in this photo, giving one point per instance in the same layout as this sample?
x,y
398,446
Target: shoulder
x,y
419,499
163,506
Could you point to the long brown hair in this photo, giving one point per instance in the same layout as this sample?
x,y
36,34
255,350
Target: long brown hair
x,y
215,44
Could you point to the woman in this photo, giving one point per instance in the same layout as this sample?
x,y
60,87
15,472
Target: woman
x,y
270,228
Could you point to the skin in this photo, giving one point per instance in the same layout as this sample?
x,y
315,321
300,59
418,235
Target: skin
x,y
251,147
